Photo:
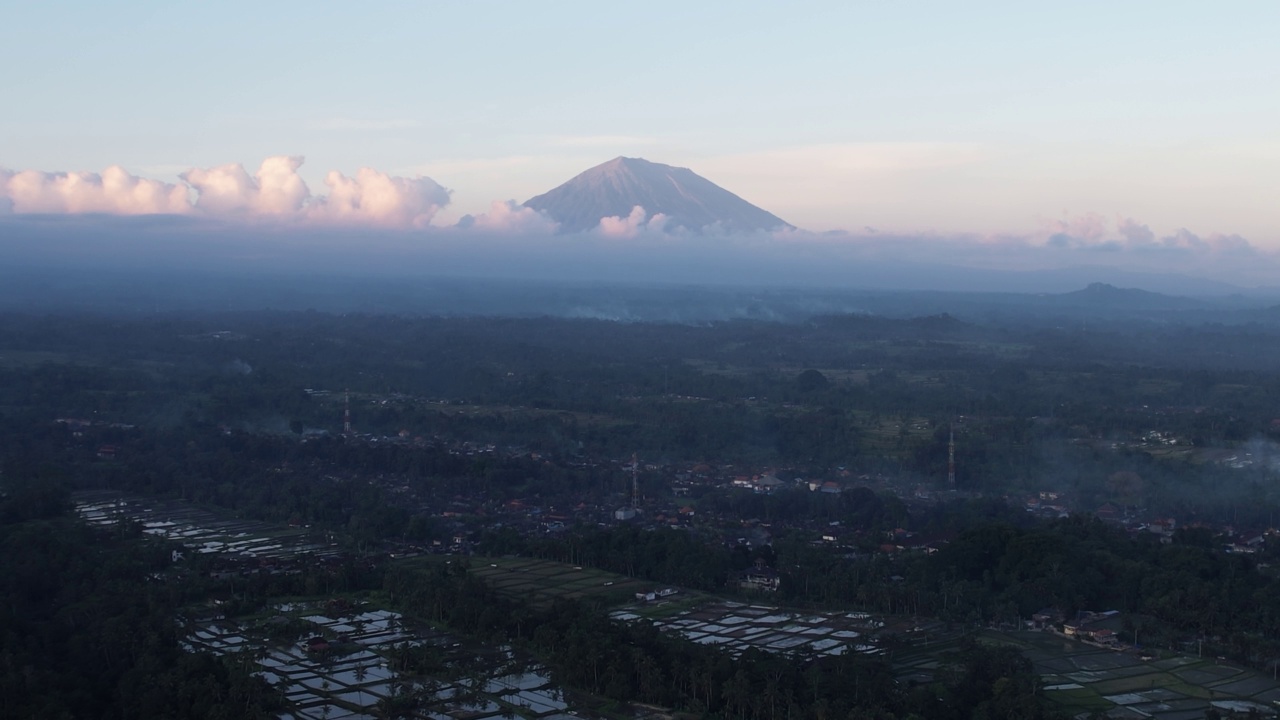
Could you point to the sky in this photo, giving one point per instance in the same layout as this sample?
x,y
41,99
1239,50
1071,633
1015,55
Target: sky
x,y
1099,124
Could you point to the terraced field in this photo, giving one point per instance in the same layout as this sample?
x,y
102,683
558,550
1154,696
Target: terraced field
x,y
544,581
355,677
1083,678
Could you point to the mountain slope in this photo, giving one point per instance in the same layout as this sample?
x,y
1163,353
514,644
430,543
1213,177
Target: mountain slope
x,y
615,187
1109,296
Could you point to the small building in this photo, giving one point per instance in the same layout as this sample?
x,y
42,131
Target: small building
x,y
767,484
761,577
1103,635
1046,617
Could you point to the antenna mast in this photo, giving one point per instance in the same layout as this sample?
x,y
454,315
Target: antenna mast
x,y
951,459
346,412
635,482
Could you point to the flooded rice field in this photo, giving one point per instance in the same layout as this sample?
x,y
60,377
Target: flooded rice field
x,y
739,626
342,666
201,530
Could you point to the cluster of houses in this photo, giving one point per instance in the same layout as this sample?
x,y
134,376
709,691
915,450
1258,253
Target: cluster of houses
x,y
769,483
1099,628
1093,626
1052,504
79,426
1047,504
1248,542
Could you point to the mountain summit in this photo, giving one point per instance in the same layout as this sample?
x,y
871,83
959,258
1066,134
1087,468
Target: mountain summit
x,y
686,198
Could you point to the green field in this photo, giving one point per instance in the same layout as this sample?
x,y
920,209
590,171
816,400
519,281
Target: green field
x,y
543,582
1081,678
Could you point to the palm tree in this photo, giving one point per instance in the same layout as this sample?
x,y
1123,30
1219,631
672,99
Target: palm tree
x,y
737,693
361,673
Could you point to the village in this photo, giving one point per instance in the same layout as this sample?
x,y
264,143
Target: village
x,y
337,657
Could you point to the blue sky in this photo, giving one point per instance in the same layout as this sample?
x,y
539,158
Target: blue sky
x,y
906,117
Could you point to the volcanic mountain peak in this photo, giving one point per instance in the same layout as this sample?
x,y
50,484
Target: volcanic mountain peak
x,y
615,187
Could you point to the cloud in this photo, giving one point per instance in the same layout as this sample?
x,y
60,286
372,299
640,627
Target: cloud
x,y
375,198
1231,244
636,224
1134,232
1082,230
1092,232
6,203
1188,242
361,218
276,192
509,242
115,191
509,217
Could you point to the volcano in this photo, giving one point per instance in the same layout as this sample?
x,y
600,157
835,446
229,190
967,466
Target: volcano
x,y
687,199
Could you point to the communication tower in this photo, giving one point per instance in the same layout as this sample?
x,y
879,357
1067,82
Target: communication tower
x,y
630,511
635,482
346,413
951,459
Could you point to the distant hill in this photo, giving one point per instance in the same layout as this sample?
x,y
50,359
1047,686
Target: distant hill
x,y
615,187
1103,295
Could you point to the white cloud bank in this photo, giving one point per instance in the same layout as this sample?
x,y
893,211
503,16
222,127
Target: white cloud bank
x,y
115,191
1092,231
276,192
509,218
63,210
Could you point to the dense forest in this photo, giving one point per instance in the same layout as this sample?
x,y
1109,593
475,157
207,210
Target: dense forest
x,y
88,630
831,391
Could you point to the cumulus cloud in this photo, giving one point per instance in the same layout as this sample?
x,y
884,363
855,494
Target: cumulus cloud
x,y
375,198
228,192
1092,231
1134,232
115,191
1087,229
1186,241
509,217
275,190
634,225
